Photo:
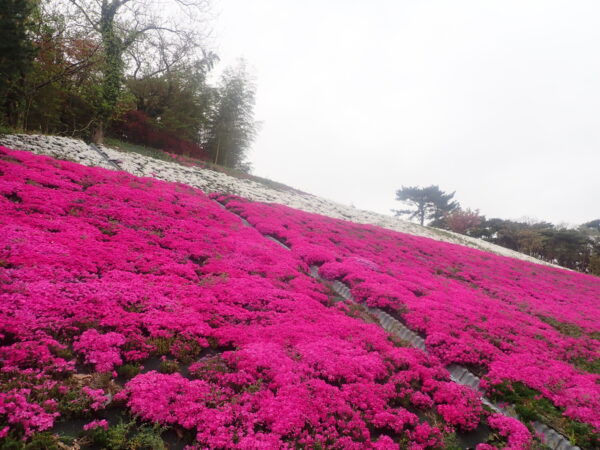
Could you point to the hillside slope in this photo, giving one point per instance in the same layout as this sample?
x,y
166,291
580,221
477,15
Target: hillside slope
x,y
136,313
211,181
527,331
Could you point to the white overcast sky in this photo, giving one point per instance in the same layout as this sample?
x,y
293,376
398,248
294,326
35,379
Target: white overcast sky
x,y
496,100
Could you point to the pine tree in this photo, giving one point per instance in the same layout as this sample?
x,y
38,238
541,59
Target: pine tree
x,y
427,203
16,56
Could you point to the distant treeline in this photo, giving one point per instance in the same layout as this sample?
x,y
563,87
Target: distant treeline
x,y
125,69
576,248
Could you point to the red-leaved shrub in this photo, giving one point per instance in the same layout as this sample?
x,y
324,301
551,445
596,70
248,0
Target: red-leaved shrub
x,y
135,126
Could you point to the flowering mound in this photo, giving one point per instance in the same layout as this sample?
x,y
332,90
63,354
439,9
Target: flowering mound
x,y
209,180
533,332
142,309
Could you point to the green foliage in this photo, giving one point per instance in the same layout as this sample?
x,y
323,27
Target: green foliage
x,y
565,328
426,203
186,350
63,65
64,353
587,365
451,442
148,437
16,56
594,266
140,149
74,403
398,341
254,387
178,101
56,91
577,249
358,311
39,441
75,67
7,129
573,248
129,370
168,366
162,346
531,406
128,436
593,225
231,129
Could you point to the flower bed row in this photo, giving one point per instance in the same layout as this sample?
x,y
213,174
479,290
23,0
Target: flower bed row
x,y
213,181
533,332
140,311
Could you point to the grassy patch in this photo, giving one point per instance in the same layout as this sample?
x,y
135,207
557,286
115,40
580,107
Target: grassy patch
x,y
128,435
168,366
161,345
564,328
128,147
129,371
358,311
591,366
531,406
39,441
7,129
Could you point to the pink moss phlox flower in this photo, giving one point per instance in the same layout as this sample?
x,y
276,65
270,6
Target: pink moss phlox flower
x,y
516,434
17,410
395,420
96,424
499,314
101,350
97,396
425,436
458,405
121,268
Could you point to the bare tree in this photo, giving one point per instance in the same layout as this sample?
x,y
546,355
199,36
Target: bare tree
x,y
172,28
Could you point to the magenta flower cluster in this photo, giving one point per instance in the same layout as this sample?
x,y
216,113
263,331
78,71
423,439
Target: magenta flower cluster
x,y
18,410
101,350
100,269
96,424
514,431
510,320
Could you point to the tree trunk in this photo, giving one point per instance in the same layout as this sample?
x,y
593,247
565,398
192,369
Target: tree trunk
x,y
112,72
98,133
218,148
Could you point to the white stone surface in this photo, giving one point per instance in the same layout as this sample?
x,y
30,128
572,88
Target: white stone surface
x,y
55,146
211,181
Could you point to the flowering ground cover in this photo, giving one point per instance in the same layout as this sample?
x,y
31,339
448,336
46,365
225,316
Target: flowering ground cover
x,y
213,181
532,332
136,313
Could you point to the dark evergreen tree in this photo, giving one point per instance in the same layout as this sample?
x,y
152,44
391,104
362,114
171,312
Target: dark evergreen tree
x,y
16,56
426,203
593,224
232,127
